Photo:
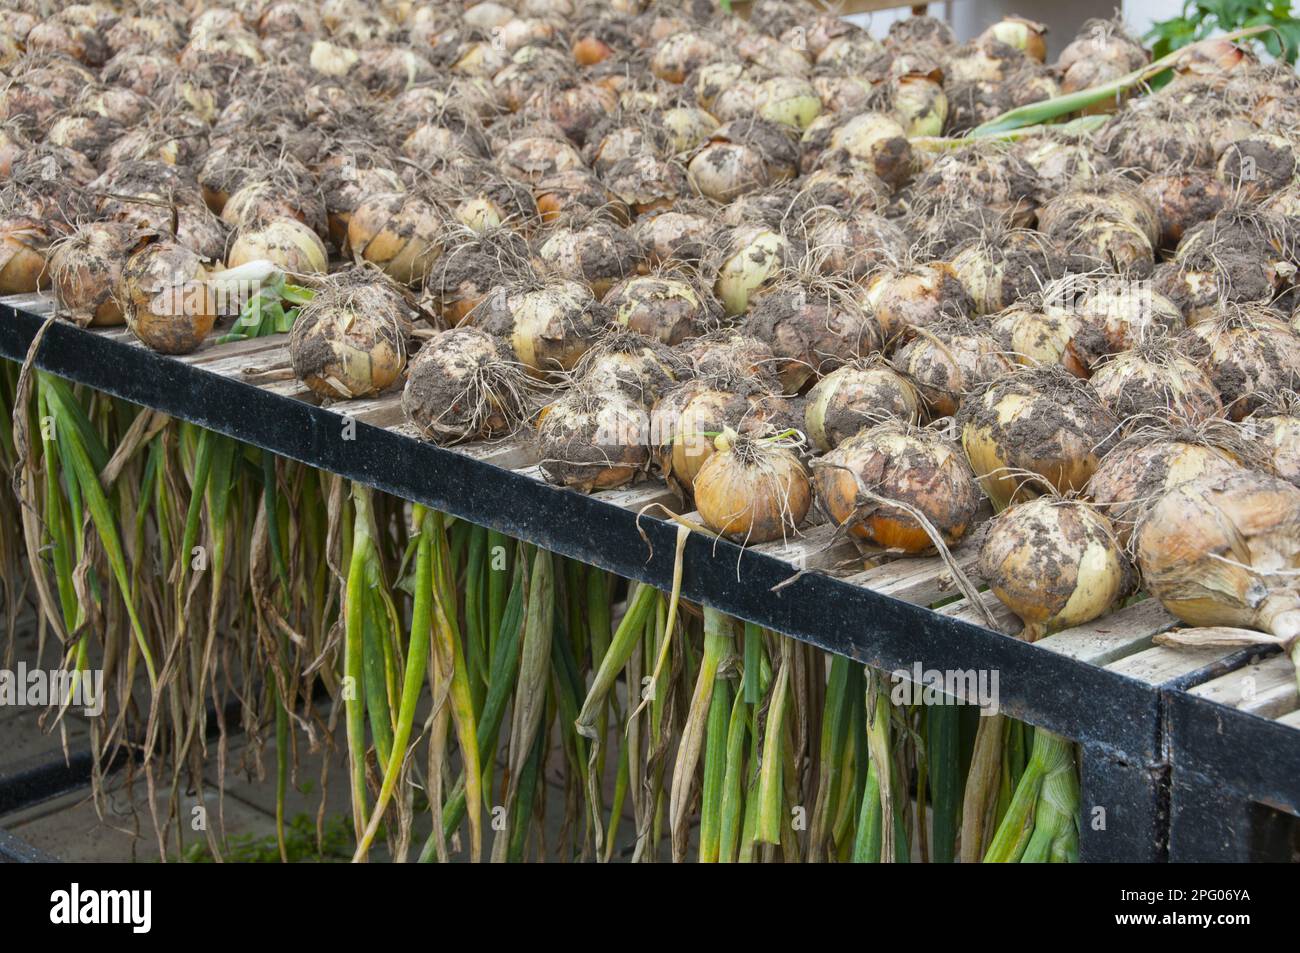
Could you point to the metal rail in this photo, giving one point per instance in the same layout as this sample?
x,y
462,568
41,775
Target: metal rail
x,y
1100,685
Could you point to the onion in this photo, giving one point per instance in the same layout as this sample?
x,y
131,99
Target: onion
x,y
1035,427
1156,382
287,242
166,299
1105,199
687,127
1020,34
895,463
681,54
685,421
350,340
1249,353
398,231
1143,467
812,329
662,307
1035,333
750,256
593,440
1181,200
732,355
788,101
574,106
1224,550
532,158
472,264
740,157
640,368
646,183
879,142
914,296
345,184
592,250
919,103
550,325
464,384
852,243
574,193
753,489
1000,267
673,235
1055,563
854,397
1060,162
87,270
1274,429
1112,316
948,360
1257,166
24,242
989,175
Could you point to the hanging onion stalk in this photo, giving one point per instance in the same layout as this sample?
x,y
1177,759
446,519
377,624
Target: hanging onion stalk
x,y
753,489
1055,563
351,339
862,482
464,384
1032,429
1223,551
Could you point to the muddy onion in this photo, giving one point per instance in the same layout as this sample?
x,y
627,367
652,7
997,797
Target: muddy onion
x,y
897,462
811,331
1035,334
753,489
286,242
166,299
857,396
1224,550
593,439
1032,427
549,325
350,340
1249,354
641,368
949,359
910,297
87,268
398,231
464,384
1142,468
1157,382
663,308
752,256
1054,563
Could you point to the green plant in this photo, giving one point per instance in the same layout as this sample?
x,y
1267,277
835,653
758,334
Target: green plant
x,y
1201,18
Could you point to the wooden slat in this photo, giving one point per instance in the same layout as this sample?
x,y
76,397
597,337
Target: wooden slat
x,y
252,348
1114,636
1291,720
1161,664
1266,688
640,496
815,548
509,453
1007,621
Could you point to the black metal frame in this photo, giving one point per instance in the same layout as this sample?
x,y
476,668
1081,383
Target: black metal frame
x,y
1235,787
1117,720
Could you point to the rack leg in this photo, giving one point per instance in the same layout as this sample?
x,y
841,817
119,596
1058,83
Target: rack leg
x,y
1124,809
1208,824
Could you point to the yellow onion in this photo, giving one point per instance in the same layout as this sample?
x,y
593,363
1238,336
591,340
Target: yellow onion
x,y
1055,563
1142,468
1275,431
752,490
812,329
751,257
532,158
464,384
731,354
741,157
673,235
286,242
1249,353
593,440
1257,166
1224,550
662,307
1156,382
879,142
24,243
639,367
87,269
687,419
948,360
550,325
851,243
788,101
1112,316
1019,33
1035,429
914,296
1035,334
398,231
857,396
350,340
681,54
166,299
472,264
1001,267
345,185
595,251
860,482
687,127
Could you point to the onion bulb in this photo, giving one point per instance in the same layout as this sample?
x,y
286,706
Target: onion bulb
x,y
398,231
877,141
464,384
23,247
1249,353
753,489
812,329
1224,550
595,251
1002,266
1055,563
740,157
914,296
895,463
286,242
1111,316
639,367
593,439
751,256
855,397
1274,430
662,307
1020,34
550,325
350,340
1035,427
948,360
87,269
166,299
1034,333
1145,466
1156,382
